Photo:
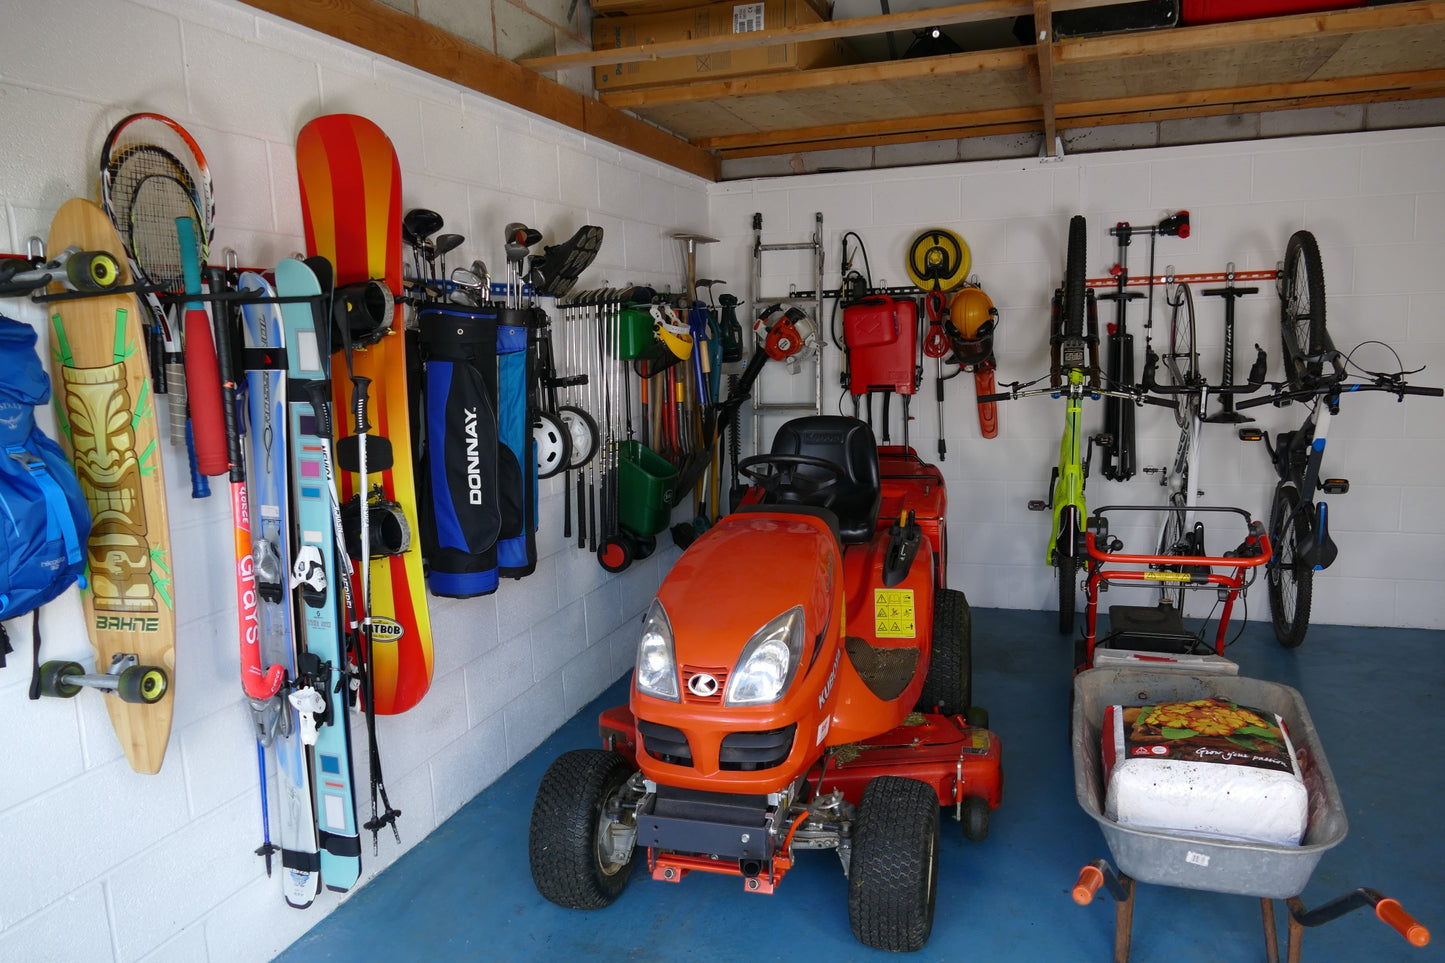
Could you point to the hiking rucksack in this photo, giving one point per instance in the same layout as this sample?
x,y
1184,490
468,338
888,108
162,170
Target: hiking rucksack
x,y
44,518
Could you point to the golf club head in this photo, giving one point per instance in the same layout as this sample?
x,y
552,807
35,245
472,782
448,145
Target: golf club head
x,y
446,243
418,224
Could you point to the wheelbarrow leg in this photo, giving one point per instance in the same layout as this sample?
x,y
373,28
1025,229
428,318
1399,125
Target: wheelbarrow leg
x,y
1296,936
1124,920
1271,935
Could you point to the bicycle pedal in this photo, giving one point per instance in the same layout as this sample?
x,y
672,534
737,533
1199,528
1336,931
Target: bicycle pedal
x,y
1335,486
1104,440
1251,434
1037,505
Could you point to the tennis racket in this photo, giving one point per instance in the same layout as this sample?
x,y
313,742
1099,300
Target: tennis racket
x,y
139,149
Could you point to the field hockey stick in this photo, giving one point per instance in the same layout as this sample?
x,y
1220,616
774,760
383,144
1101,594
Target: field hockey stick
x,y
259,684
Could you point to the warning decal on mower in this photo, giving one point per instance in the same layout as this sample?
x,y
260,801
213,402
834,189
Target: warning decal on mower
x,y
893,614
1168,576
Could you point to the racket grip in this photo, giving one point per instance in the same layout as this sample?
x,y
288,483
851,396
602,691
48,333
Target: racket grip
x,y
200,488
176,391
203,376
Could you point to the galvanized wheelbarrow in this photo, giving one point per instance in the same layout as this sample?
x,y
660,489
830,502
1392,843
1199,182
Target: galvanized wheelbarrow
x,y
1267,871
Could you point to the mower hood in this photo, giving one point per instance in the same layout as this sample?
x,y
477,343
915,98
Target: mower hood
x,y
744,572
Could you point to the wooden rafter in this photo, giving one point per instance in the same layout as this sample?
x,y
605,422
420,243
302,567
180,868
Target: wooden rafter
x,y
1044,37
372,25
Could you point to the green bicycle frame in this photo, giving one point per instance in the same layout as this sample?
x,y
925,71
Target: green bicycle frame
x,y
1069,510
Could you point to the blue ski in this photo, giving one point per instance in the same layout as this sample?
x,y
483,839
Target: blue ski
x,y
320,693
276,718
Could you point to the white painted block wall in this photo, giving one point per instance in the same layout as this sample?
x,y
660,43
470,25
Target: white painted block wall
x,y
1375,202
96,862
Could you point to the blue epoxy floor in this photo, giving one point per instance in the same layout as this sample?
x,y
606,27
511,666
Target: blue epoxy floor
x,y
1377,698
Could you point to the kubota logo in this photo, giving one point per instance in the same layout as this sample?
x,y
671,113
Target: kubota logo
x,y
385,630
702,685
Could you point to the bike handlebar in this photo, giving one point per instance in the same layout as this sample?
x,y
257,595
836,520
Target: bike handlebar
x,y
1138,396
1338,387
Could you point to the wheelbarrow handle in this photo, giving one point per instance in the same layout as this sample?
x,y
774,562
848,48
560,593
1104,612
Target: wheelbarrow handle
x,y
1091,878
1390,911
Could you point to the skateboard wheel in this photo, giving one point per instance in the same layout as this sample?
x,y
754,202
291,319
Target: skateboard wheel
x,y
615,553
52,679
142,684
92,271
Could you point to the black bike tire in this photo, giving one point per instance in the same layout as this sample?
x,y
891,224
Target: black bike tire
x,y
1074,269
1291,586
1303,334
1182,366
1171,533
1068,584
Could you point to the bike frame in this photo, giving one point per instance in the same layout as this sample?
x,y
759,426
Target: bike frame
x,y
1312,435
1072,471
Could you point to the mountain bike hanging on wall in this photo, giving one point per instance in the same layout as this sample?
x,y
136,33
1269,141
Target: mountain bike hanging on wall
x,y
1074,375
1317,375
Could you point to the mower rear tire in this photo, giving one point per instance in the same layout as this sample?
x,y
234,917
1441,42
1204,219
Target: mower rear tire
x,y
572,864
975,819
893,872
948,688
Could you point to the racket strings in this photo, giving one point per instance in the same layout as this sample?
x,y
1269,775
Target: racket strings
x,y
159,200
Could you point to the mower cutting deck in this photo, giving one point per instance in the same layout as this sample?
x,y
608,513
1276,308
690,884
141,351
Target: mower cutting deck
x,y
803,681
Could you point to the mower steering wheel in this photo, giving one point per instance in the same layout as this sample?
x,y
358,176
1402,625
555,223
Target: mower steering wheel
x,y
783,475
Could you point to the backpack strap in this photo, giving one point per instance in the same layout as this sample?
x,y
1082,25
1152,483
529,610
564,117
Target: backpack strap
x,y
58,520
35,655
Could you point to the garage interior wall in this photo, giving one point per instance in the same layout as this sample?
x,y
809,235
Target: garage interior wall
x,y
100,863
1375,202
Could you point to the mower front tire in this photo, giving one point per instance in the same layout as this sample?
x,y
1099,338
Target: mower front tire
x,y
948,688
575,861
893,872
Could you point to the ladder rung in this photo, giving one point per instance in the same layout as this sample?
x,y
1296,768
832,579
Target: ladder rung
x,y
784,406
801,246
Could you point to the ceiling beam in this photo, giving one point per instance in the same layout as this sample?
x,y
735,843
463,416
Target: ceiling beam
x,y
1124,110
374,26
1044,35
979,12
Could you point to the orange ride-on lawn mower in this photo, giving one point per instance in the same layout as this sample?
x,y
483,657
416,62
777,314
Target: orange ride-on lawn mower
x,y
803,681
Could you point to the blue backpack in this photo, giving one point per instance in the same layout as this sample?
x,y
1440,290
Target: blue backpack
x,y
44,518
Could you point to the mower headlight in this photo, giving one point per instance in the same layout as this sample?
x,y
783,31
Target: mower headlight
x,y
656,666
769,662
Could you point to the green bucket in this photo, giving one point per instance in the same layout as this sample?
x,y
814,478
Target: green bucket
x,y
634,332
645,483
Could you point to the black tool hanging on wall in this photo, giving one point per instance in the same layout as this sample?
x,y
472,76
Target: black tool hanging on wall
x,y
1117,443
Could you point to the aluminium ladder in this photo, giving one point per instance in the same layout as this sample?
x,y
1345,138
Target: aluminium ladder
x,y
808,300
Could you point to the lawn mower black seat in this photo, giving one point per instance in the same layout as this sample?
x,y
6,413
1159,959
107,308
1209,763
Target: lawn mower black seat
x,y
848,443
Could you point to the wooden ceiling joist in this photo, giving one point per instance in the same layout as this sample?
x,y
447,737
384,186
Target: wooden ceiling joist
x,y
1366,55
374,26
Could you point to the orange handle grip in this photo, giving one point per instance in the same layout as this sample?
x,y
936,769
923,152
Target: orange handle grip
x,y
1394,914
1090,879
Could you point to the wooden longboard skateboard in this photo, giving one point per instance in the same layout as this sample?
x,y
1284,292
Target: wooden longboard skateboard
x,y
351,207
107,419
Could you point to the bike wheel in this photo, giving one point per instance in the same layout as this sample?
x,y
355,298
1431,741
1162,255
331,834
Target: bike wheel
x,y
1290,581
1172,542
1074,269
1181,364
1068,583
1302,310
